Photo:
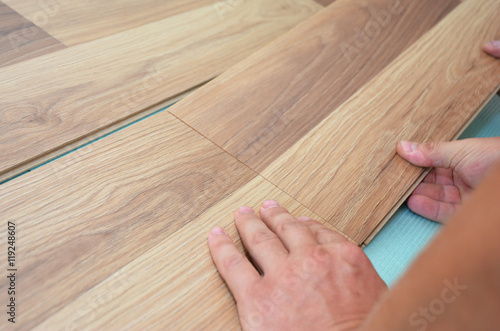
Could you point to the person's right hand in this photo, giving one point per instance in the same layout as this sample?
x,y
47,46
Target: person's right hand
x,y
458,166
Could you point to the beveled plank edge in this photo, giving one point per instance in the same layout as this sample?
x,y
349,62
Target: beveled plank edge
x,y
424,173
365,239
320,219
41,159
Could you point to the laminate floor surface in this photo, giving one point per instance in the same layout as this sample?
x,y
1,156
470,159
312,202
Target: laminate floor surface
x,y
88,89
113,193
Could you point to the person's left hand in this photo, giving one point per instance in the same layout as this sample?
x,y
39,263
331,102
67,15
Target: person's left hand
x,y
311,278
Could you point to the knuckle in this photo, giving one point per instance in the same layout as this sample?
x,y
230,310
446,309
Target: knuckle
x,y
233,261
353,254
430,148
316,261
313,223
442,193
285,225
261,237
322,255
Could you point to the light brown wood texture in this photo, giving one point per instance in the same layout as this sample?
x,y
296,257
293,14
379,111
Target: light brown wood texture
x,y
172,301
82,92
134,205
75,21
108,204
345,168
305,75
21,40
113,235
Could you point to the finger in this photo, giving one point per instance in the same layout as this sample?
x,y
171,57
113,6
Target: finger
x,y
233,266
439,154
264,246
431,209
438,192
294,234
439,176
492,48
323,235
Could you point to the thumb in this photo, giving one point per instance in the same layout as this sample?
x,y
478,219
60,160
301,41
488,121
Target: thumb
x,y
492,48
438,154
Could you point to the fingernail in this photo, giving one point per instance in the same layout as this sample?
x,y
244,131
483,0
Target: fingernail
x,y
408,146
304,218
495,43
270,204
245,210
217,231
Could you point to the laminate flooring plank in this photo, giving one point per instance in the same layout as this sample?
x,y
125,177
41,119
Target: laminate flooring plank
x,y
55,103
174,285
346,169
262,106
85,216
78,21
21,40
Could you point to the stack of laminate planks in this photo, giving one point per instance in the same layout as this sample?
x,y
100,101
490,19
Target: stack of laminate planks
x,y
113,235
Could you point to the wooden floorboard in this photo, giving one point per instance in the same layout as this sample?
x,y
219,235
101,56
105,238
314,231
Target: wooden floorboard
x,y
55,102
85,216
260,108
21,40
77,21
183,290
346,169
113,235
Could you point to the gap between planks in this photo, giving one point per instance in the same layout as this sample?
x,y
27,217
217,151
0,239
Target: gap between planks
x,y
70,146
50,103
425,172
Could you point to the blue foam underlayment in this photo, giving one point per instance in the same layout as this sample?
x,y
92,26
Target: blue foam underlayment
x,y
406,234
86,144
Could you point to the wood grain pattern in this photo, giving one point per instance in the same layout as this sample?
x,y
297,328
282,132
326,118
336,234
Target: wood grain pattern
x,y
305,75
76,21
114,233
84,90
85,216
182,292
21,40
346,169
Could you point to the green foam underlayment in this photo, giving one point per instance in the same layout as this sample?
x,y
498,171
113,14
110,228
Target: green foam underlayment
x,y
407,234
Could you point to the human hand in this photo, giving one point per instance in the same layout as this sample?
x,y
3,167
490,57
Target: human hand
x,y
458,168
492,48
312,277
